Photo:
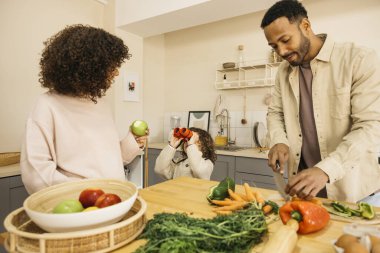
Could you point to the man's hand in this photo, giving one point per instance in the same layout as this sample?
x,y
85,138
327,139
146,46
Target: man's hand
x,y
307,183
280,153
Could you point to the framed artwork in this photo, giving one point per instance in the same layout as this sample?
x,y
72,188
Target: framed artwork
x,y
199,119
131,87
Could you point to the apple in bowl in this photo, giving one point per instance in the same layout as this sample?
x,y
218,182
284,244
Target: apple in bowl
x,y
107,199
89,196
39,205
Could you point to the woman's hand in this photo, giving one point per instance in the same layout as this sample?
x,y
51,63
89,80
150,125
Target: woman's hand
x,y
141,140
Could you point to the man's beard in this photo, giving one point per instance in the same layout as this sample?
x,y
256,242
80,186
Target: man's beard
x,y
301,51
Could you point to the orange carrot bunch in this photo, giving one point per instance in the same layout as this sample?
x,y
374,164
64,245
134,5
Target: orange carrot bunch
x,y
237,201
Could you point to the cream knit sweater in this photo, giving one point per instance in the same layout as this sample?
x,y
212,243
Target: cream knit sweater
x,y
70,139
194,166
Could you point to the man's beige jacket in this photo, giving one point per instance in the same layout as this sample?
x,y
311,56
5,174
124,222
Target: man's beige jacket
x,y
346,102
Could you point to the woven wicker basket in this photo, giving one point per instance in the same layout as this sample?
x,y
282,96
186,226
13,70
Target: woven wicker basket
x,y
25,236
9,158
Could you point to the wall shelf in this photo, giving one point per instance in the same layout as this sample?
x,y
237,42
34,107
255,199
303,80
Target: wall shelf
x,y
252,75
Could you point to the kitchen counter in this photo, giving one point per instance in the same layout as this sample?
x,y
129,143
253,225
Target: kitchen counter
x,y
251,152
14,169
10,170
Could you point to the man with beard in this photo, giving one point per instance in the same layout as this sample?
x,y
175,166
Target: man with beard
x,y
324,118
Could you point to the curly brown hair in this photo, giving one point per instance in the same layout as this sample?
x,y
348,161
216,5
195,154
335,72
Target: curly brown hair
x,y
79,61
207,145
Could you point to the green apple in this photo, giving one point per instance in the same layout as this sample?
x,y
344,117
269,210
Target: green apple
x,y
68,206
139,127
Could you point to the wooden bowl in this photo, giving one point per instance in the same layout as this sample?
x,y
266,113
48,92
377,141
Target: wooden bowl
x,y
39,205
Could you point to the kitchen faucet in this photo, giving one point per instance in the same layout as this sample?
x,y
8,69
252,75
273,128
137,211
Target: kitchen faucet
x,y
228,127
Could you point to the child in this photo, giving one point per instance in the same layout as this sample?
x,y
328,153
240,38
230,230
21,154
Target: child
x,y
71,133
198,157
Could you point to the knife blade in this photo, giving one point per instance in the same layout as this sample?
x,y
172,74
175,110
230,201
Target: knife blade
x,y
281,184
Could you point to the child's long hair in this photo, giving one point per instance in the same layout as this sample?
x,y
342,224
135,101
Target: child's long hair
x,y
207,145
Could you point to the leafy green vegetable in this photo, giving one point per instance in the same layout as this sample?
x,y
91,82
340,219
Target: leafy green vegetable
x,y
172,233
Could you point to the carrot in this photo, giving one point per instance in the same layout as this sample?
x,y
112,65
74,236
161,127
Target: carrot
x,y
222,202
228,199
234,196
223,212
244,197
231,207
249,192
267,209
259,197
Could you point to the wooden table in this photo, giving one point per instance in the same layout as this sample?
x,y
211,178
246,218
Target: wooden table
x,y
189,195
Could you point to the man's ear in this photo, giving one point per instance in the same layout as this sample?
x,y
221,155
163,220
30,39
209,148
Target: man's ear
x,y
305,25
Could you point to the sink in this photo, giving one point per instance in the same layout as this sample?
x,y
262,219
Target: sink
x,y
230,148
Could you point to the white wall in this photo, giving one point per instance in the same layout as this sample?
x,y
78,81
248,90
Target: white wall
x,y
130,11
24,25
190,57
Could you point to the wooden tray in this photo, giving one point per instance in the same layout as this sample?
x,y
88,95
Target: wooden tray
x,y
26,236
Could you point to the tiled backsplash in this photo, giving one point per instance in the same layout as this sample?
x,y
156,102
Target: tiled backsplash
x,y
242,133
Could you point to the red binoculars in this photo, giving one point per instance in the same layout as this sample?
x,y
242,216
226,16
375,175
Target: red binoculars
x,y
182,133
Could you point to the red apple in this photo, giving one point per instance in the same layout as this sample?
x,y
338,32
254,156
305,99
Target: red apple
x,y
107,199
89,196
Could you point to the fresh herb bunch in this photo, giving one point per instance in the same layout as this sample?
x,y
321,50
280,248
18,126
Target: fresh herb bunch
x,y
180,233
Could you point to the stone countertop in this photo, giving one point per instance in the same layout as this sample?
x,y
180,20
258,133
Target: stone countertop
x,y
10,170
250,153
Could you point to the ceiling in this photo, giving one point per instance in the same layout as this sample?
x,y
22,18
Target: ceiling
x,y
188,16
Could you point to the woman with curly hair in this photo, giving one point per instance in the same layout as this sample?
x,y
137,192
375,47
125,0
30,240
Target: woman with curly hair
x,y
70,132
197,157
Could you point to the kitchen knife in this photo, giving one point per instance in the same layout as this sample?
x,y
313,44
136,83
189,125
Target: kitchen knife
x,y
280,182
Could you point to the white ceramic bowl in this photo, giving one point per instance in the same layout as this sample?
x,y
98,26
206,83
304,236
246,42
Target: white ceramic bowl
x,y
39,205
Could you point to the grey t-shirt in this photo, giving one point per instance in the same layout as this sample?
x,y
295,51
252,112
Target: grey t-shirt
x,y
310,152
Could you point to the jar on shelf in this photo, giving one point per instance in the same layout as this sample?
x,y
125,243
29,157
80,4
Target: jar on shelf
x,y
241,58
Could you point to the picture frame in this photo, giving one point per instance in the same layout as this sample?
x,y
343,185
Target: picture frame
x,y
199,119
131,87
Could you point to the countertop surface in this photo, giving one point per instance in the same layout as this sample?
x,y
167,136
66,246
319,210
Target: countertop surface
x,y
14,169
250,152
10,170
188,195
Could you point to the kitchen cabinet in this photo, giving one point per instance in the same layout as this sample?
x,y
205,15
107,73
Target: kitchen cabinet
x,y
153,178
12,196
255,172
252,75
224,166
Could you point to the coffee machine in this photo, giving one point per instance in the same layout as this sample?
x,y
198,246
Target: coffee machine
x,y
175,121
